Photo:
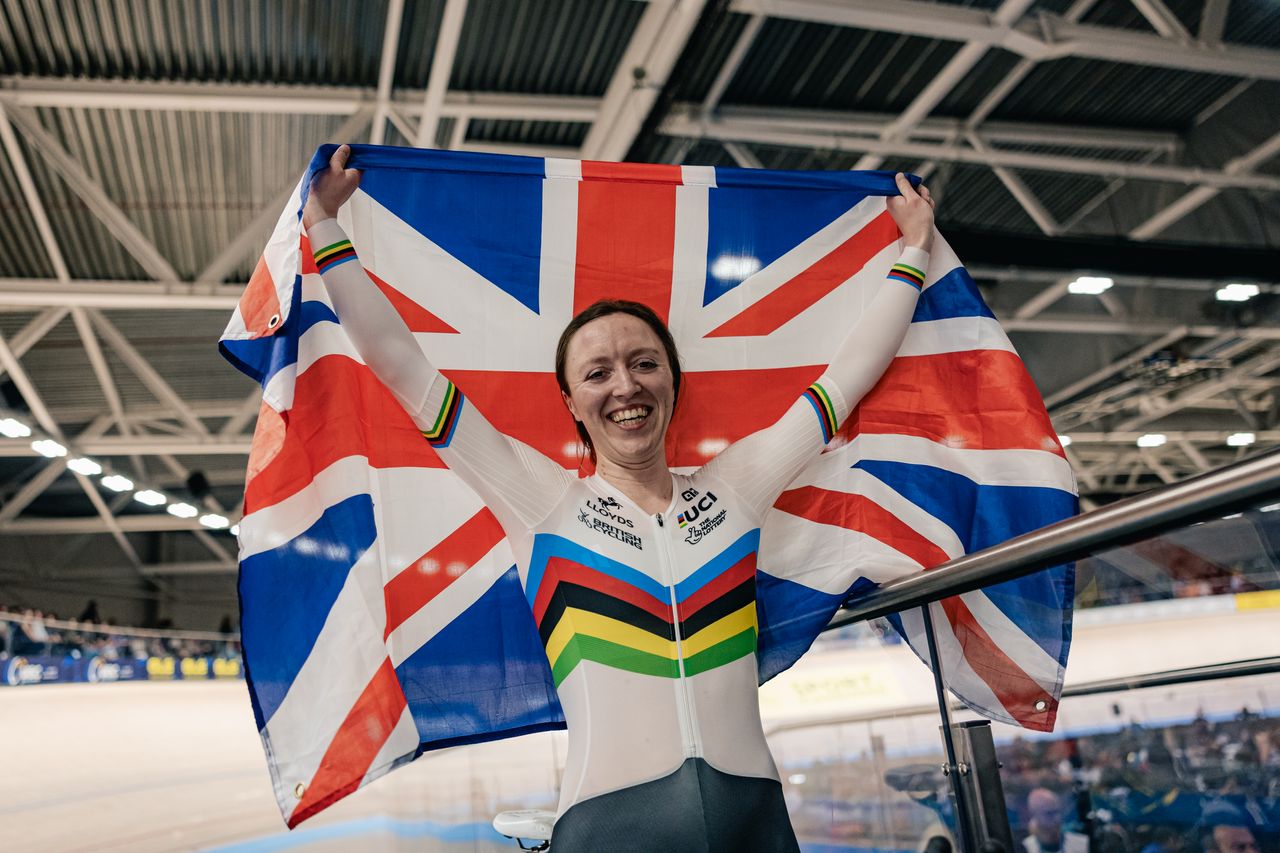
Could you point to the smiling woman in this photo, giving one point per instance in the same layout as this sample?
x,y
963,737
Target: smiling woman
x,y
619,374
642,581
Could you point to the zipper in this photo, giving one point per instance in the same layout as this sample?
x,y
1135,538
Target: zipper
x,y
684,708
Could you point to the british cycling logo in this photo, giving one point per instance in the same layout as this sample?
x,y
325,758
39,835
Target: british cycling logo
x,y
599,525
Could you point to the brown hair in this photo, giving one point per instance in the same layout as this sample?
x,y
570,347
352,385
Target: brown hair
x,y
604,308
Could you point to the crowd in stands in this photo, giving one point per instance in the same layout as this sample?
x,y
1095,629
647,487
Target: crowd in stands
x,y
1203,785
30,632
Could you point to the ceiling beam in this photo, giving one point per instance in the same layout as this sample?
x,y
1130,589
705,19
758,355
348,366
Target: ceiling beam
x,y
281,99
132,295
30,334
1162,20
159,522
451,20
91,192
1179,208
1040,37
1020,191
18,162
387,70
956,69
724,129
142,445
1213,21
657,42
255,232
145,372
732,62
941,129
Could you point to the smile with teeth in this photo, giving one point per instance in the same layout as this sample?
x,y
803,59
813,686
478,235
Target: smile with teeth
x,y
631,417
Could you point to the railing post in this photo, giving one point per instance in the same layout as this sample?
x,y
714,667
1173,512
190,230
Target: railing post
x,y
965,836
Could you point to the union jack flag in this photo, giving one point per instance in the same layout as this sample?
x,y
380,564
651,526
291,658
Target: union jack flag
x,y
381,612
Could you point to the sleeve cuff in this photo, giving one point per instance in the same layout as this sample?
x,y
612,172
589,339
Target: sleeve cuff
x,y
912,267
329,245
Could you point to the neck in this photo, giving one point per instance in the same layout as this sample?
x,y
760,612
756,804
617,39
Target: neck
x,y
648,485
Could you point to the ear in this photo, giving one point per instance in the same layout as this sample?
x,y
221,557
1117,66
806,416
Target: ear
x,y
568,404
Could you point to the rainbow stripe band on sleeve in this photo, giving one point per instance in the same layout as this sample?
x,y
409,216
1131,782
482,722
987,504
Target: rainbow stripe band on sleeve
x,y
331,256
909,274
821,403
441,433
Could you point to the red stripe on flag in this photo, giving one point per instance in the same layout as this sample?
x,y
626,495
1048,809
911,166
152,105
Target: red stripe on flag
x,y
791,298
560,570
1017,691
413,587
306,257
355,745
259,303
976,399
626,235
340,410
861,514
648,173
417,318
719,407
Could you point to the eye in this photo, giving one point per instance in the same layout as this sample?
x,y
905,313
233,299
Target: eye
x,y
647,364
596,375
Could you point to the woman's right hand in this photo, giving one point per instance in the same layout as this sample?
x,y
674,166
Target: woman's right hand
x,y
912,210
330,188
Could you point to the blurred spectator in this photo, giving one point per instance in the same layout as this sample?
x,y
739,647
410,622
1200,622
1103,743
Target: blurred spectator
x,y
1044,820
90,613
1226,838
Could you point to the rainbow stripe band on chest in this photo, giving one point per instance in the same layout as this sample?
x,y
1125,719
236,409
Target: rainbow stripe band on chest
x,y
909,274
334,255
821,402
441,432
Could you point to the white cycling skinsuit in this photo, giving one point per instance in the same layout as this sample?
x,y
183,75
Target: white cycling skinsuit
x,y
649,621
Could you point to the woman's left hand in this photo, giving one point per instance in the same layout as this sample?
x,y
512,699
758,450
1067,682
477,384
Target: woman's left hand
x,y
913,212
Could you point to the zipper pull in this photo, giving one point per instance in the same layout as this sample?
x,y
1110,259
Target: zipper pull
x,y
659,517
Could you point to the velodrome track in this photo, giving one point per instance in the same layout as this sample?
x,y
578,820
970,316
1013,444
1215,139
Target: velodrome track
x,y
178,766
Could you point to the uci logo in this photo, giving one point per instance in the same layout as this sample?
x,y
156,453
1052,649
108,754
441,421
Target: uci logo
x,y
691,513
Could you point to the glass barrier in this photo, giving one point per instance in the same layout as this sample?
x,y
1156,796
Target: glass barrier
x,y
1188,765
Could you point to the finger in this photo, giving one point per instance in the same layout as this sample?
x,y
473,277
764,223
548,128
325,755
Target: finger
x,y
904,186
339,158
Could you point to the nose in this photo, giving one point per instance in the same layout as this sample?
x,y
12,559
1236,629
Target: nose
x,y
625,384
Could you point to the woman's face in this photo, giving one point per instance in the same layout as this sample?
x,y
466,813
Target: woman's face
x,y
621,388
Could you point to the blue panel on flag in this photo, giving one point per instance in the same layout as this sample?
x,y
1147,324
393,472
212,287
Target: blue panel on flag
x,y
750,228
261,358
953,295
484,673
982,516
488,218
314,311
286,595
790,616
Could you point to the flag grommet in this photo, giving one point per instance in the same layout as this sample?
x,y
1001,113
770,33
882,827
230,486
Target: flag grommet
x,y
1041,705
299,789
274,321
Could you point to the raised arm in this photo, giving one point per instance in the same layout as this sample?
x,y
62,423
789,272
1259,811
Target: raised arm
x,y
760,466
519,484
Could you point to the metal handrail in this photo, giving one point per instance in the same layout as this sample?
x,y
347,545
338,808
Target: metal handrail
x,y
1165,678
1211,495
